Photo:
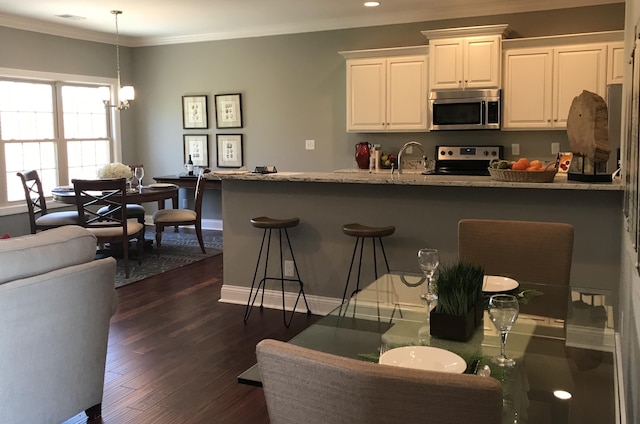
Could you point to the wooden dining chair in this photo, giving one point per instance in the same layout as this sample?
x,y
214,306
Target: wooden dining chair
x,y
39,217
536,252
312,387
177,217
113,226
134,210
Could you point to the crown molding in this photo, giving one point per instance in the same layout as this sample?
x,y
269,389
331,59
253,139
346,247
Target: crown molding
x,y
34,25
442,11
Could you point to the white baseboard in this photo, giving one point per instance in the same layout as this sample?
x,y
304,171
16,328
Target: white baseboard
x,y
319,305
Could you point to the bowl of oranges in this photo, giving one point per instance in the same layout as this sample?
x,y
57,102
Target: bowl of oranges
x,y
523,170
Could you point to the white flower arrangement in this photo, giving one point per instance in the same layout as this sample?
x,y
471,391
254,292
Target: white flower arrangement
x,y
114,170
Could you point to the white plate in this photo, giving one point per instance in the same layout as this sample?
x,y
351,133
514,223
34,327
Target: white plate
x,y
496,284
424,358
162,185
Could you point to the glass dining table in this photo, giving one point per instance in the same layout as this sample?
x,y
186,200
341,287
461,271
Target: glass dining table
x,y
563,342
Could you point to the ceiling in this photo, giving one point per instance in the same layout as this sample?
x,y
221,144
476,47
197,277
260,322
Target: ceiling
x,y
156,22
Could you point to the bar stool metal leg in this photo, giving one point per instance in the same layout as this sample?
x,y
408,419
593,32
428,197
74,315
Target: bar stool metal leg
x,y
262,283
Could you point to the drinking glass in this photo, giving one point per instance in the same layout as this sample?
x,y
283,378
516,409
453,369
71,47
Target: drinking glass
x,y
503,311
428,260
129,180
139,174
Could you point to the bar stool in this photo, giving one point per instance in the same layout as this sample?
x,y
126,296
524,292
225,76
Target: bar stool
x,y
281,225
361,232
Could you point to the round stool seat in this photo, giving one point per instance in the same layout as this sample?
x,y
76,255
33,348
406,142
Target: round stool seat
x,y
359,230
266,222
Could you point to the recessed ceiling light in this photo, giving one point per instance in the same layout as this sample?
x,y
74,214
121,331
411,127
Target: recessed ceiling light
x,y
371,3
72,17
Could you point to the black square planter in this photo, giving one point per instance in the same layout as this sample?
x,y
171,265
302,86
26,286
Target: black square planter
x,y
456,327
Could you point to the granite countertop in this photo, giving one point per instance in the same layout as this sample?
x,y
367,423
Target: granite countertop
x,y
354,176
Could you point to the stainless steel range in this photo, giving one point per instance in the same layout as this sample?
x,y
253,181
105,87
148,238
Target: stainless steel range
x,y
465,160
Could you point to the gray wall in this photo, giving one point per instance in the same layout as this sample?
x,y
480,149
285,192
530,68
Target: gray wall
x,y
293,89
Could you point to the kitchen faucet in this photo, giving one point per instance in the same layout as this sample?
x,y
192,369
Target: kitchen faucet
x,y
402,150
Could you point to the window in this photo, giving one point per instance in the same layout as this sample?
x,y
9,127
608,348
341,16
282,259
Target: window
x,y
62,130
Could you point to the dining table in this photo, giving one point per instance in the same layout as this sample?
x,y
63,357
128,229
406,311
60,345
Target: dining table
x,y
564,344
159,193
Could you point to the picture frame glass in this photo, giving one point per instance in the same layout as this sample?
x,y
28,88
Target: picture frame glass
x,y
196,146
229,150
194,112
228,110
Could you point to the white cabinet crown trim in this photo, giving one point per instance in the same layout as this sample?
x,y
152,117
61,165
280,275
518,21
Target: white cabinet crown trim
x,y
500,29
386,52
563,40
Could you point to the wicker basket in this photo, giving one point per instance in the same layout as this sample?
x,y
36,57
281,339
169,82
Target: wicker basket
x,y
545,176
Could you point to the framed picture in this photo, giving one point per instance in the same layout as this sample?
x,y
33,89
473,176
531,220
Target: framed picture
x,y
229,150
196,146
228,111
194,112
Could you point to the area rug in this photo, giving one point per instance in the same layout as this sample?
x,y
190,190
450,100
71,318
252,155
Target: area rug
x,y
178,249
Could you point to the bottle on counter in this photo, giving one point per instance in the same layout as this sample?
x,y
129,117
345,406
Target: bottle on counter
x,y
190,166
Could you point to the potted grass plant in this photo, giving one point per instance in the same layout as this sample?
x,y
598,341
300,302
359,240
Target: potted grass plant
x,y
459,309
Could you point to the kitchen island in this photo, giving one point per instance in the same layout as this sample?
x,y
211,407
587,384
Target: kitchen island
x,y
425,210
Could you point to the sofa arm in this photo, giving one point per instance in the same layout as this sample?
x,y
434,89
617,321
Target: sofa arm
x,y
34,254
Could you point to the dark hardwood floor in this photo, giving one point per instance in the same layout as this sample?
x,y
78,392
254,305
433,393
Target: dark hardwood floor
x,y
175,352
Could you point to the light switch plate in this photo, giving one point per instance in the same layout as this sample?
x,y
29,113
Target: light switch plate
x,y
515,149
310,144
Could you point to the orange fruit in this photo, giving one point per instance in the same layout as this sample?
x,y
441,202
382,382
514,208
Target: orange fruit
x,y
535,164
525,161
518,166
534,168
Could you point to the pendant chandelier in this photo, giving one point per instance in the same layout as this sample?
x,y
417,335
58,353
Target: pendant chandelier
x,y
126,93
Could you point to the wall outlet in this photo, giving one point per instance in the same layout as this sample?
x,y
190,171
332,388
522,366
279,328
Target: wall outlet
x,y
289,269
555,148
515,149
310,144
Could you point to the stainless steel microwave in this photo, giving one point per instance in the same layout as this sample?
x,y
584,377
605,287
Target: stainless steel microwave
x,y
464,110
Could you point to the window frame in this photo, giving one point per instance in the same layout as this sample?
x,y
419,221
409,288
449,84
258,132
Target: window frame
x,y
57,80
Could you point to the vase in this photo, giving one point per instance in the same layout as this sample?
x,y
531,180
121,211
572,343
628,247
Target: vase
x,y
362,155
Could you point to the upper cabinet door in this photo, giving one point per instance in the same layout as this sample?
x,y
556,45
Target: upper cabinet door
x,y
482,62
407,93
366,95
527,89
615,63
387,94
471,62
541,83
445,64
577,68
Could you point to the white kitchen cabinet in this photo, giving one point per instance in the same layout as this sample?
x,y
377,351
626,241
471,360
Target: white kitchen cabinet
x,y
387,94
470,62
615,63
541,83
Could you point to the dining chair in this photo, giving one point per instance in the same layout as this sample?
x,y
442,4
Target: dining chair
x,y
39,217
312,387
176,217
134,210
536,252
113,226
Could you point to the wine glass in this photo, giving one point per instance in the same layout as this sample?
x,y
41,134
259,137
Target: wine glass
x,y
139,174
428,260
129,180
503,311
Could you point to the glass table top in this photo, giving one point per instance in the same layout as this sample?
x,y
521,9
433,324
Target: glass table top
x,y
563,342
